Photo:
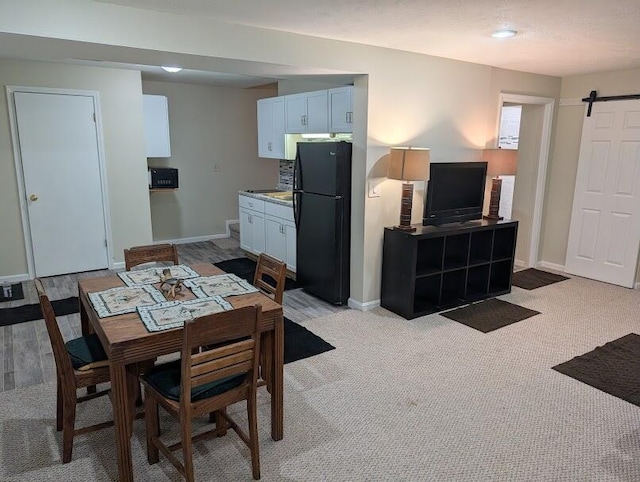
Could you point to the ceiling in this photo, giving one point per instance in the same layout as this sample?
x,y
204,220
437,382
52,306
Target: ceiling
x,y
555,37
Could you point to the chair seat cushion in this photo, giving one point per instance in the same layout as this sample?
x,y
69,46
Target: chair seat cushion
x,y
86,352
165,379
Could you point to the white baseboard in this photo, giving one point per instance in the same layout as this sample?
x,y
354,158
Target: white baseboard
x,y
195,239
118,265
553,266
369,305
15,278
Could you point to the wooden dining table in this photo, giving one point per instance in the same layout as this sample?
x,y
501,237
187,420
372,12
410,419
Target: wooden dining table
x,y
128,343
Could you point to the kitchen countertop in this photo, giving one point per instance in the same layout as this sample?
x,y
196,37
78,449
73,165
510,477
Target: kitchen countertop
x,y
263,197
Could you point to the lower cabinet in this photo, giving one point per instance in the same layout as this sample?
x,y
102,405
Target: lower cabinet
x,y
436,268
252,237
280,240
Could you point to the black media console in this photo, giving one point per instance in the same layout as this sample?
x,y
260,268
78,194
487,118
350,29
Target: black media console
x,y
439,267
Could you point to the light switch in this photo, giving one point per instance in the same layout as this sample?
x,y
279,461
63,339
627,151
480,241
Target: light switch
x,y
217,167
374,189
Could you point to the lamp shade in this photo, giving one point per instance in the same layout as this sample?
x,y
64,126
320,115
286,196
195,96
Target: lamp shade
x,y
501,161
409,164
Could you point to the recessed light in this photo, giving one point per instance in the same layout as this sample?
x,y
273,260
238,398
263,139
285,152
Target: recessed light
x,y
504,33
173,70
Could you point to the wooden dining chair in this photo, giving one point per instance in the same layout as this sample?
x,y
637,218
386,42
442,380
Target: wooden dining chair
x,y
80,362
207,382
270,276
149,254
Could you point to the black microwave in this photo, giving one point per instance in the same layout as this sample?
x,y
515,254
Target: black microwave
x,y
163,178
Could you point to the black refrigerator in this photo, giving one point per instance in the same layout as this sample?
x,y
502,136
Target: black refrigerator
x,y
322,212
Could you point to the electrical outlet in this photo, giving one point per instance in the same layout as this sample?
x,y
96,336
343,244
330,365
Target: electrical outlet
x,y
374,189
217,167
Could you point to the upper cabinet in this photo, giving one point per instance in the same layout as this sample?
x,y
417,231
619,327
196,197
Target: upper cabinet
x,y
271,128
156,125
307,112
341,109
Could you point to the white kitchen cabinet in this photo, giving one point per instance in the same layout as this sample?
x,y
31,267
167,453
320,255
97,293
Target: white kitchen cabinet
x,y
341,109
156,125
251,224
271,127
307,112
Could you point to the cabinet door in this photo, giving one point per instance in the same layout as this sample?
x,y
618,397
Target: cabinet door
x,y
257,221
295,111
156,125
317,117
277,128
265,126
274,237
341,109
290,241
246,230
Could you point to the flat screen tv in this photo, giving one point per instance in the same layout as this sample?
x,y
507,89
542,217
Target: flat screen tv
x,y
455,192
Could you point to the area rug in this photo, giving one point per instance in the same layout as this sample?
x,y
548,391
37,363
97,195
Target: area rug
x,y
16,293
490,315
20,314
245,268
299,342
613,368
531,278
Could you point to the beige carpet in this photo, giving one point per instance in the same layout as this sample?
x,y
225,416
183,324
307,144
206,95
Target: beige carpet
x,y
428,399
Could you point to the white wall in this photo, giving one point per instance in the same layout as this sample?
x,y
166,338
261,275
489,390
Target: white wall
x,y
208,125
121,103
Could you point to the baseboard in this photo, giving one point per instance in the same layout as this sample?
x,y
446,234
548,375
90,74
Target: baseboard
x,y
553,266
195,239
118,265
369,305
15,278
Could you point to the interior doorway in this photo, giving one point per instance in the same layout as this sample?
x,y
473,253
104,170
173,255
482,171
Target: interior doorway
x,y
533,142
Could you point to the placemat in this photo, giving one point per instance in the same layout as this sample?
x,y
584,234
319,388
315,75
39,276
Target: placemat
x,y
173,314
149,276
531,278
124,299
219,285
490,315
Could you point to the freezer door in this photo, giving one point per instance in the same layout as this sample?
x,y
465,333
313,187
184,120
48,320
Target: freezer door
x,y
323,247
323,168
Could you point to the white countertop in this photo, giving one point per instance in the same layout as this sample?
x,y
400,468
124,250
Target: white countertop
x,y
266,198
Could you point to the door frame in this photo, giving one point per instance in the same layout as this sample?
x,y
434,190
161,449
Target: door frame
x,y
17,156
543,161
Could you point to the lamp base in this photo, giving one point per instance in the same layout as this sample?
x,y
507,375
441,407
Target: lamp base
x,y
494,203
407,229
492,218
405,208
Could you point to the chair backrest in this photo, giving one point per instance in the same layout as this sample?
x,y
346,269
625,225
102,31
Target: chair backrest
x,y
151,253
270,276
239,332
60,355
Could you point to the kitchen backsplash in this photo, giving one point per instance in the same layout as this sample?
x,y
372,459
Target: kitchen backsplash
x,y
285,175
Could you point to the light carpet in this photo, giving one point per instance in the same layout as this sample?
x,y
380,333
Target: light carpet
x,y
427,399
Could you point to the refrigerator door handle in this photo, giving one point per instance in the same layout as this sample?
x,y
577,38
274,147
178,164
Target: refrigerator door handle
x,y
296,191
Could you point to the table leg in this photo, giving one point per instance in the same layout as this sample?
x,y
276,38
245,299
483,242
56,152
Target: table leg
x,y
121,419
277,380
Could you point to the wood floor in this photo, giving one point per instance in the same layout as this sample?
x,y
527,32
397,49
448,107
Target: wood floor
x,y
25,352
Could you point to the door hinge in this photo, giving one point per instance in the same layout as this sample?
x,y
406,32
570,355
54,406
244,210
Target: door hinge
x,y
94,117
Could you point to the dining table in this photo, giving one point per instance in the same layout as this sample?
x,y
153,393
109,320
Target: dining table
x,y
129,344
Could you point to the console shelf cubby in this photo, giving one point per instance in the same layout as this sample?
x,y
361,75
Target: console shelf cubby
x,y
440,267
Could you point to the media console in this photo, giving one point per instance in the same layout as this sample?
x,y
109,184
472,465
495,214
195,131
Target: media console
x,y
441,267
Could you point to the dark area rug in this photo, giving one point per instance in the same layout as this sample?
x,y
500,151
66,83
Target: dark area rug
x,y
245,268
531,278
20,314
299,342
490,315
16,293
613,368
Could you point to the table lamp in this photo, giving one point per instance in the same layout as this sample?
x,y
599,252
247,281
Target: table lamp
x,y
408,164
500,162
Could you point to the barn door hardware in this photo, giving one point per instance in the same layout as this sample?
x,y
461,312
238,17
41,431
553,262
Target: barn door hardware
x,y
593,97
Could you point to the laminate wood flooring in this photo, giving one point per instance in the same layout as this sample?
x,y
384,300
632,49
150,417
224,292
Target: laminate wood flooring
x,y
25,351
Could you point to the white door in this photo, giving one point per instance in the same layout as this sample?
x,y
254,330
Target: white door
x,y
604,236
60,162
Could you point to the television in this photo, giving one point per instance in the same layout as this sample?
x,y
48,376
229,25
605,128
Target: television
x,y
455,192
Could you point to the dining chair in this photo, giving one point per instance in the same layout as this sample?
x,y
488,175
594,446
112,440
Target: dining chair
x,y
149,254
270,276
207,382
80,362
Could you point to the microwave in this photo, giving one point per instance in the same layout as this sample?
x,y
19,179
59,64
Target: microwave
x,y
163,178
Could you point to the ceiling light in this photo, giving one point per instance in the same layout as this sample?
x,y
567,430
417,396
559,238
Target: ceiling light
x,y
173,70
504,33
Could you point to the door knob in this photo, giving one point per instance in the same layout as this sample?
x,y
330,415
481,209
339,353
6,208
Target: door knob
x,y
33,197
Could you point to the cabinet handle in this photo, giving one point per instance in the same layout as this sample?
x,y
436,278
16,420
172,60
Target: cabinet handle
x,y
269,146
350,117
250,219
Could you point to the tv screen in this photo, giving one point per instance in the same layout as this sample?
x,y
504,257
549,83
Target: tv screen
x,y
455,192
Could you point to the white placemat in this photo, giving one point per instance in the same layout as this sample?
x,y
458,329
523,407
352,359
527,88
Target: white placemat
x,y
173,314
124,299
219,285
149,276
